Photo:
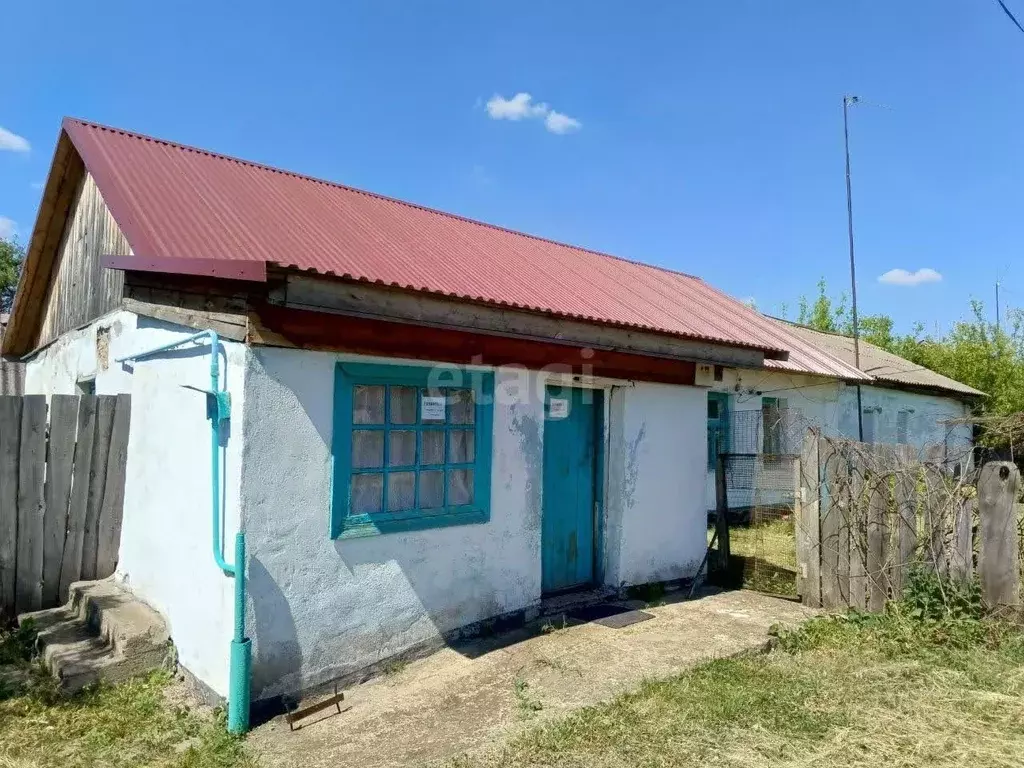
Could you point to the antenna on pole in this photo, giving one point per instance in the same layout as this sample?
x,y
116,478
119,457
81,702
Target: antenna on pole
x,y
998,316
849,101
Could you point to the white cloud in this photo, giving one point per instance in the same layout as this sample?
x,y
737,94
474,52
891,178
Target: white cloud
x,y
556,122
519,106
12,141
7,228
903,277
523,107
36,185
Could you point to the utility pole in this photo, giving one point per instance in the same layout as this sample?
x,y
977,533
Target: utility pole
x,y
849,101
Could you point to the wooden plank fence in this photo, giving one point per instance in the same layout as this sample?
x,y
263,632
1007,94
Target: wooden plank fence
x,y
869,513
62,473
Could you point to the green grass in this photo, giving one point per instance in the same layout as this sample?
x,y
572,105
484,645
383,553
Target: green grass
x,y
854,691
132,724
527,704
763,557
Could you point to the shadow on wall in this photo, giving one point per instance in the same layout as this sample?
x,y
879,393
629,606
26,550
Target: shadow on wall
x,y
278,657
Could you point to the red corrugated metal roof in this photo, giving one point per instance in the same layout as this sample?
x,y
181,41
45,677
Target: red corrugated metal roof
x,y
174,201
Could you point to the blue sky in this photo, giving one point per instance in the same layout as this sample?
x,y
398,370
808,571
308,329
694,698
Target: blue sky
x,y
709,134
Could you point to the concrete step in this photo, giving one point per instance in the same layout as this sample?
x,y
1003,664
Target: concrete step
x,y
101,633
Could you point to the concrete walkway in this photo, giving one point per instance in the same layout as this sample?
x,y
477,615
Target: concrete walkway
x,y
460,700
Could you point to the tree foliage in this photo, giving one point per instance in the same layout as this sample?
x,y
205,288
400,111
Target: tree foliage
x,y
11,256
974,351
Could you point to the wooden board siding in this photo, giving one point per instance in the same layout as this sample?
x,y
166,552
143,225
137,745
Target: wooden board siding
x,y
12,377
80,289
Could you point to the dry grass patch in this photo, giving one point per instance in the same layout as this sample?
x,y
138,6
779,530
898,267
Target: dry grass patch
x,y
851,691
123,726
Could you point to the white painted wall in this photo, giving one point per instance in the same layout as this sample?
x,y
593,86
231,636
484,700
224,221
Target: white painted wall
x,y
926,419
656,522
831,406
58,368
321,608
166,539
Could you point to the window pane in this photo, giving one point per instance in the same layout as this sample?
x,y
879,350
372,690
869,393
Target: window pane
x,y
460,487
401,449
432,398
712,409
367,449
401,491
460,449
431,489
432,450
366,494
461,408
367,405
403,405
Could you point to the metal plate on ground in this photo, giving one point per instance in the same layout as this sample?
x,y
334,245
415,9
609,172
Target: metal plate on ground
x,y
608,615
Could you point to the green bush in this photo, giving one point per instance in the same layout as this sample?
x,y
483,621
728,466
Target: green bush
x,y
17,645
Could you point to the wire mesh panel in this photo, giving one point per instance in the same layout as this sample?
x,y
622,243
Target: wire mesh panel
x,y
761,464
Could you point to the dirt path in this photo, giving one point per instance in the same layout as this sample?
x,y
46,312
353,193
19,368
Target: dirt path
x,y
462,700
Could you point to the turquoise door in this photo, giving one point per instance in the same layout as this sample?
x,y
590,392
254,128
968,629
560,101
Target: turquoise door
x,y
571,489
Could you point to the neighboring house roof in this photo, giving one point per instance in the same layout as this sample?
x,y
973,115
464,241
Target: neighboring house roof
x,y
880,364
178,203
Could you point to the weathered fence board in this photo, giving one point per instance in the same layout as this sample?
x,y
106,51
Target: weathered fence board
x,y
109,536
962,564
97,482
61,494
878,551
31,475
997,566
808,530
71,564
906,535
10,445
60,461
882,510
855,518
835,534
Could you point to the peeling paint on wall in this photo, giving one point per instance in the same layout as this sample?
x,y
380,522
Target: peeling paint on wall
x,y
633,453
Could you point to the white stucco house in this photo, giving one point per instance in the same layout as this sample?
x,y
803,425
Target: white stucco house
x,y
767,412
419,422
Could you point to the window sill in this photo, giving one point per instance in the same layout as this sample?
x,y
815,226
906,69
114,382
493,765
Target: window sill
x,y
363,528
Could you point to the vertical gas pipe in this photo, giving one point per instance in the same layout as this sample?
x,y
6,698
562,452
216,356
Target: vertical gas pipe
x,y
219,411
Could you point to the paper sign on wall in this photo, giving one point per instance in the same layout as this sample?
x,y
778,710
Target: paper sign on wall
x,y
558,408
432,409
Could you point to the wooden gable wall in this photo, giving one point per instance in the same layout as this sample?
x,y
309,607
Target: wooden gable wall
x,y
80,289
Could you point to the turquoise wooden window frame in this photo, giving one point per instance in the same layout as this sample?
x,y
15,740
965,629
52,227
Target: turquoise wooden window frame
x,y
345,523
717,427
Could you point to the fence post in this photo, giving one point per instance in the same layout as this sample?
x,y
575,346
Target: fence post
x,y
808,522
997,506
721,515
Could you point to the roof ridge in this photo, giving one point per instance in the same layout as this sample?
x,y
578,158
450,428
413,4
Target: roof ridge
x,y
818,330
376,195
